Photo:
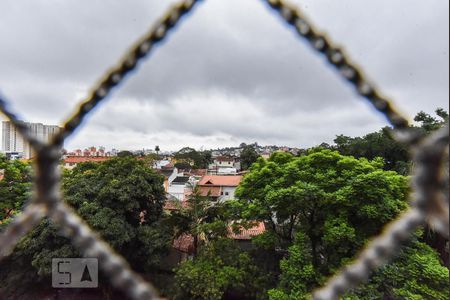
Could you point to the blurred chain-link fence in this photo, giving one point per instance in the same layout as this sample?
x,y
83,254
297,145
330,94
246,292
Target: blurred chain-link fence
x,y
429,201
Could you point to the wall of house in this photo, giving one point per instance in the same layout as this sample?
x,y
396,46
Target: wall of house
x,y
177,191
221,164
174,175
226,171
228,193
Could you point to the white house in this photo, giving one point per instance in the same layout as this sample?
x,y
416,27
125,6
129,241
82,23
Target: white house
x,y
219,188
180,187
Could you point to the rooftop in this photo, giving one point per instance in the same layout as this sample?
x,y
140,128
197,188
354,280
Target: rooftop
x,y
224,158
82,159
217,180
247,234
181,180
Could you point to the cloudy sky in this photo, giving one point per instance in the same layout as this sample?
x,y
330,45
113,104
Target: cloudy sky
x,y
231,73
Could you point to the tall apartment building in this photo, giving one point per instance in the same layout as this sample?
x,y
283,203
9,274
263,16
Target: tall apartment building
x,y
12,141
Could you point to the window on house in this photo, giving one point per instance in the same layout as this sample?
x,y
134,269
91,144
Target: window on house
x,y
227,194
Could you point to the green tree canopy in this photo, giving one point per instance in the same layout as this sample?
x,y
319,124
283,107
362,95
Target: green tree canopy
x,y
201,218
430,123
416,273
121,199
220,270
376,144
196,159
337,201
382,144
125,153
248,157
15,187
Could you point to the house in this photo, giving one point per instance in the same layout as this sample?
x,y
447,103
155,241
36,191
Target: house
x,y
160,164
183,247
170,173
71,162
223,162
219,188
181,187
197,173
224,165
227,171
247,234
244,236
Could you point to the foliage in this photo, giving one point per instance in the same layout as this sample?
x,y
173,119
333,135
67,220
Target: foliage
x,y
183,166
416,273
121,199
248,157
382,144
125,154
331,203
197,160
151,159
337,201
376,144
298,272
15,187
220,269
429,123
202,218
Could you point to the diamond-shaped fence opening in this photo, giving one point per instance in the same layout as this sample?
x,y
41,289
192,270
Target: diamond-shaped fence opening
x,y
428,202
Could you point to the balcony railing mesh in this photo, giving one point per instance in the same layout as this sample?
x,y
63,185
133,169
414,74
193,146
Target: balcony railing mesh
x,y
429,201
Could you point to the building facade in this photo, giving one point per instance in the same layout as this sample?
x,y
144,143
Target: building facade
x,y
13,142
219,188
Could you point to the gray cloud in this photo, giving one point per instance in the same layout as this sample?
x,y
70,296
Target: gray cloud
x,y
232,72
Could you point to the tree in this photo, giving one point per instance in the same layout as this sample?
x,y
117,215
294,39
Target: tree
x,y
151,159
298,273
201,218
337,202
157,149
121,199
416,273
221,271
248,157
125,154
376,144
382,144
15,187
429,123
197,160
183,166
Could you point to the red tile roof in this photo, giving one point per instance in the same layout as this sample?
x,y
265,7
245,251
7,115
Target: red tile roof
x,y
184,243
247,234
82,159
169,166
175,205
217,180
213,191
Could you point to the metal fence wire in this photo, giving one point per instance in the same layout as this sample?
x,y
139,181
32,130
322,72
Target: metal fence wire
x,y
429,200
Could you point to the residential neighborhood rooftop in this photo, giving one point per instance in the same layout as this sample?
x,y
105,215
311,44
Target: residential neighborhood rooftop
x,y
217,180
